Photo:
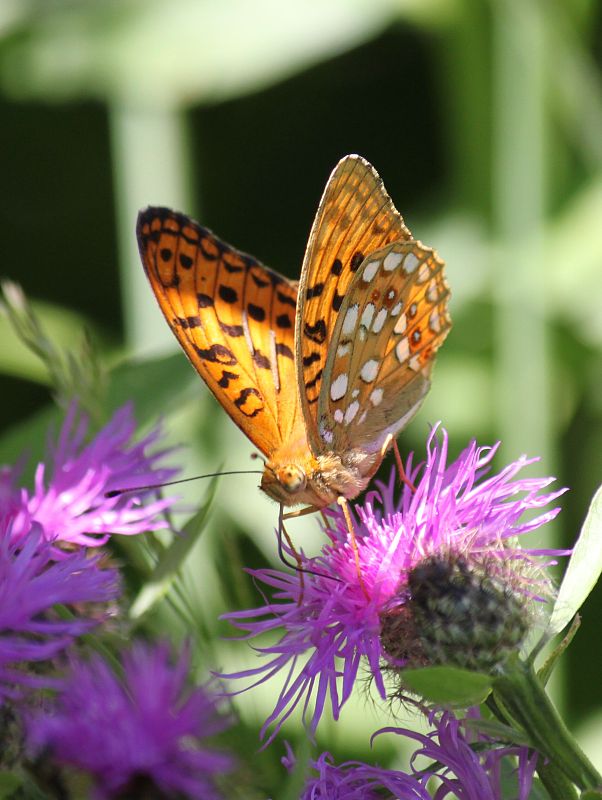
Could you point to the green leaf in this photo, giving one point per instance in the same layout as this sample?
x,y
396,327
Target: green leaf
x,y
448,685
173,558
9,783
583,569
497,731
546,670
151,384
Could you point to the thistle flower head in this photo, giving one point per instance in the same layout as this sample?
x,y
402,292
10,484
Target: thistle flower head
x,y
445,756
69,499
457,521
356,781
32,583
465,771
145,729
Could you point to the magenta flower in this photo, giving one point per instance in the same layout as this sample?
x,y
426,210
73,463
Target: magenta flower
x,y
333,621
356,781
463,771
69,500
446,755
31,584
143,730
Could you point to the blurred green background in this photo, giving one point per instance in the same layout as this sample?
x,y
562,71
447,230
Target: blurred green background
x,y
484,120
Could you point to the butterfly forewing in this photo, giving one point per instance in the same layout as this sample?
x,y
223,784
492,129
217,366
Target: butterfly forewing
x,y
356,216
233,317
316,379
391,323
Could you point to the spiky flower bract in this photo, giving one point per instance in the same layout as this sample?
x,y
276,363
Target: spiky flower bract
x,y
144,729
32,583
330,617
69,499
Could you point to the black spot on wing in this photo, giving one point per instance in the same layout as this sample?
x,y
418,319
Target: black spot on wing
x,y
284,350
206,254
262,361
231,330
249,402
337,300
256,312
317,332
311,359
188,322
284,321
314,291
228,294
286,300
231,268
224,381
204,300
310,384
356,260
218,354
261,283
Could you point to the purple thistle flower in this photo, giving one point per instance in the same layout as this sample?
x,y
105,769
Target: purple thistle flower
x,y
71,505
31,584
356,781
461,772
464,772
331,621
143,729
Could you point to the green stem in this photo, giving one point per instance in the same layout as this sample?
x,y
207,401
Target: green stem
x,y
558,786
520,692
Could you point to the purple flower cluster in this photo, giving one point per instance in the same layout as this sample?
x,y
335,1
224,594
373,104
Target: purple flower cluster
x,y
71,505
460,770
41,565
31,584
330,618
146,727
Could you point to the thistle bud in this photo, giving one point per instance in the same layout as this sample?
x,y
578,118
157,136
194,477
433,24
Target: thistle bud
x,y
455,612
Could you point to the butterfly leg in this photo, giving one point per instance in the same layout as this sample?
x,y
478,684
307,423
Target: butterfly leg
x,y
342,501
403,478
299,568
283,532
300,512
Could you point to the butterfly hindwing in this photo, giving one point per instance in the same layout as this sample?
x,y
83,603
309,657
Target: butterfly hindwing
x,y
233,317
391,323
356,216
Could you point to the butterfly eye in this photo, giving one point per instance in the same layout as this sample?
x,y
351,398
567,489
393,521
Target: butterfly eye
x,y
292,478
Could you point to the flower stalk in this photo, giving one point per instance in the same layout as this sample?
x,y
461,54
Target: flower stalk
x,y
519,692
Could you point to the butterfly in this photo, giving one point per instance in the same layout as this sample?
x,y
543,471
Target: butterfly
x,y
322,374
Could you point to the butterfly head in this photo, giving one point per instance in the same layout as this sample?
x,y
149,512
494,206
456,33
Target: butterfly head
x,y
284,482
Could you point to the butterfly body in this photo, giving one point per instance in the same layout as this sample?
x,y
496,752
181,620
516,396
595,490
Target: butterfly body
x,y
322,374
293,476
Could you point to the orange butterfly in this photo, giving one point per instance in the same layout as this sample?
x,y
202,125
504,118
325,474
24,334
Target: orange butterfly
x,y
320,375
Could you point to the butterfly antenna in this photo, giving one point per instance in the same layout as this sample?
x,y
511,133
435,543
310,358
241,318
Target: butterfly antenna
x,y
117,492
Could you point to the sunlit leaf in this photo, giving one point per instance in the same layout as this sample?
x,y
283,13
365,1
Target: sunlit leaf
x,y
448,685
583,569
172,560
